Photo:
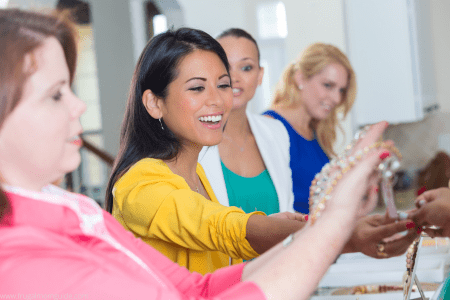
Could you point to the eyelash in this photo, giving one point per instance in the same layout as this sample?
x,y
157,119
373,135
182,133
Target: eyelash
x,y
57,96
225,86
247,68
201,88
197,89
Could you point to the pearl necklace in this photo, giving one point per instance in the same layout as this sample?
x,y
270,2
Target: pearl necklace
x,y
324,182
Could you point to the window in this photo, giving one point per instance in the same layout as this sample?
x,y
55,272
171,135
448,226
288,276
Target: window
x,y
272,21
159,24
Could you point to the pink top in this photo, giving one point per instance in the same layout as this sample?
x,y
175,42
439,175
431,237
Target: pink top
x,y
64,244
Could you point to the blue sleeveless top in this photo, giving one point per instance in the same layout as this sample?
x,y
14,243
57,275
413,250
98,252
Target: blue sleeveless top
x,y
307,159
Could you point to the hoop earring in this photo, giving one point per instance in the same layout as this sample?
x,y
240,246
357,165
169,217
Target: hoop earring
x,y
160,122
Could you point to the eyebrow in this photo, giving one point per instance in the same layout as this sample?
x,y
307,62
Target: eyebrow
x,y
204,79
247,58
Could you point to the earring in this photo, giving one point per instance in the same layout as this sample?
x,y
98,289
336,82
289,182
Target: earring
x,y
160,122
300,87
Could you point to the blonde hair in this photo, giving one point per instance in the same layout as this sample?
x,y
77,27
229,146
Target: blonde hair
x,y
311,62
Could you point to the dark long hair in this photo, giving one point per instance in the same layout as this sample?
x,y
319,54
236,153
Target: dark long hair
x,y
21,32
141,135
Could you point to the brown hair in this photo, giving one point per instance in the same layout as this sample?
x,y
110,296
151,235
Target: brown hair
x,y
21,32
311,62
436,173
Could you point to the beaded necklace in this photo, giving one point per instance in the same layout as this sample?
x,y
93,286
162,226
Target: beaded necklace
x,y
324,182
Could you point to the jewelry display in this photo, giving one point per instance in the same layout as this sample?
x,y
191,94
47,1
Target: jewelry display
x,y
410,275
324,182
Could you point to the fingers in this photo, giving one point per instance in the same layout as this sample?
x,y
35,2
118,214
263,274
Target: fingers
x,y
432,195
297,216
387,230
372,135
399,246
418,217
425,197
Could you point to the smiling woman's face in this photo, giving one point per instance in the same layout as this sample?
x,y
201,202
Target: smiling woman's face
x,y
324,91
246,75
39,140
199,100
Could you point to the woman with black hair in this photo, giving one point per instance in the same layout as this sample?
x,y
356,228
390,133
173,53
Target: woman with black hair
x,y
180,100
58,243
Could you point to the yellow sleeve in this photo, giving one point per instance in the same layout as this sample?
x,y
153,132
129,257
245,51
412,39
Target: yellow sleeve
x,y
155,203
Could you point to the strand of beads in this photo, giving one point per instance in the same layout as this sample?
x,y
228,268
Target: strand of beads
x,y
411,255
324,182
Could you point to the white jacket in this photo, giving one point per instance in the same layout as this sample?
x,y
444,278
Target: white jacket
x,y
273,143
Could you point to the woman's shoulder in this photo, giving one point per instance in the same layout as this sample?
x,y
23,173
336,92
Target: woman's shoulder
x,y
146,171
148,166
269,127
266,122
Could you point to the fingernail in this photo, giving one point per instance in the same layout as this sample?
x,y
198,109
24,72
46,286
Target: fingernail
x,y
306,218
403,216
410,225
422,202
421,190
376,189
419,230
385,154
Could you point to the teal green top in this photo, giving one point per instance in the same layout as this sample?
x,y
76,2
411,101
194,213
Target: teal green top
x,y
251,193
445,292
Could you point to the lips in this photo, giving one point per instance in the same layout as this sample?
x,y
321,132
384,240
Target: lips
x,y
326,106
237,92
76,140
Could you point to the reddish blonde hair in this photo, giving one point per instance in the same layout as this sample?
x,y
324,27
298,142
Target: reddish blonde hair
x,y
21,32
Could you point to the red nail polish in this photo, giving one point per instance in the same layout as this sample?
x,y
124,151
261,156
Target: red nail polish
x,y
421,190
376,189
410,225
385,154
306,218
419,230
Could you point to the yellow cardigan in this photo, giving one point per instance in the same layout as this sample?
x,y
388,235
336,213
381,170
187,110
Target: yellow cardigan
x,y
159,207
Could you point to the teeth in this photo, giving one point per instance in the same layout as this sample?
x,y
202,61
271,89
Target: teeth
x,y
211,118
235,91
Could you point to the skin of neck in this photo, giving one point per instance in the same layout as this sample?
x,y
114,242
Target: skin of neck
x,y
303,119
237,124
185,164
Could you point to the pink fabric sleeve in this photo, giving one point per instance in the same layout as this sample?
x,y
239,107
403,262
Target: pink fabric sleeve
x,y
225,282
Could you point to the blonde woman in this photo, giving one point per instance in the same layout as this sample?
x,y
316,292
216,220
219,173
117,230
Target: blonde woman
x,y
309,96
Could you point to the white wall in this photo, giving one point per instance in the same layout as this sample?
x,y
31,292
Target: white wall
x,y
311,21
213,16
32,4
440,10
